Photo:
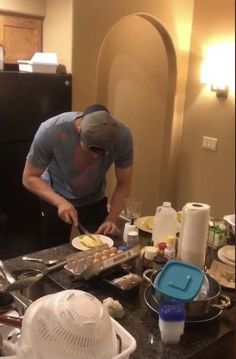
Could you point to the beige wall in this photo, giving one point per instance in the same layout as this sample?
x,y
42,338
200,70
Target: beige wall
x,y
208,176
57,30
133,82
94,20
29,7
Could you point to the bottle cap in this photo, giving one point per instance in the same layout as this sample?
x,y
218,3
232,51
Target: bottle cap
x,y
172,311
150,252
166,204
170,241
162,246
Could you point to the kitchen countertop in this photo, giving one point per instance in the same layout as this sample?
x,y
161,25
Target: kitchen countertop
x,y
209,340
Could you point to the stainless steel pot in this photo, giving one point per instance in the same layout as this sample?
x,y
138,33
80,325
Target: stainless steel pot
x,y
214,298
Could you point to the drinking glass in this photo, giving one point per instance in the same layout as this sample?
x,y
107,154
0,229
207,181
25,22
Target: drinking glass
x,y
133,208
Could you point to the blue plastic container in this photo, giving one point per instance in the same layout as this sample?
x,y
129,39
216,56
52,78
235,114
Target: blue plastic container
x,y
179,280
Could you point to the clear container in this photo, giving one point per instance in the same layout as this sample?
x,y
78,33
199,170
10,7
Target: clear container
x,y
132,238
165,223
128,228
171,321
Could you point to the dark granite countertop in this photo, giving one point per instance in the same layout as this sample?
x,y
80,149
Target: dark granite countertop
x,y
200,340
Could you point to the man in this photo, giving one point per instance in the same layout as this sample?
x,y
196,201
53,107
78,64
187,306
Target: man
x,y
66,168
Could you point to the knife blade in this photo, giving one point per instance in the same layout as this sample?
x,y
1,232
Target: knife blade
x,y
85,231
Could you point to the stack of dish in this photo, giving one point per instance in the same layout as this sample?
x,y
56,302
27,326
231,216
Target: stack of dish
x,y
226,255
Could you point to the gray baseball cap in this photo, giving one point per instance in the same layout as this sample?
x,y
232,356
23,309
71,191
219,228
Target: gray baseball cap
x,y
98,130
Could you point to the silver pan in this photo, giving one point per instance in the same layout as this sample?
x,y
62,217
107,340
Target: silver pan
x,y
214,298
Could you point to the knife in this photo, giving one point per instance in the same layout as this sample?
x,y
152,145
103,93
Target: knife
x,y
85,231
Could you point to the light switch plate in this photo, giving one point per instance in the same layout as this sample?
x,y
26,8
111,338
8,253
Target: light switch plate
x,y
209,143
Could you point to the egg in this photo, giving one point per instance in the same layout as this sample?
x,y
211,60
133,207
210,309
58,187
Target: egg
x,y
96,260
103,258
106,252
113,250
97,255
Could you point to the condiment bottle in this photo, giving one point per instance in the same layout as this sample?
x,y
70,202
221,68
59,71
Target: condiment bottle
x,y
171,321
132,238
169,251
128,228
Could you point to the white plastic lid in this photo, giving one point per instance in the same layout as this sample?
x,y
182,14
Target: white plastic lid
x,y
49,58
166,204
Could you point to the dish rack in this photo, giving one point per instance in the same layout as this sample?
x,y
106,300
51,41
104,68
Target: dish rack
x,y
128,342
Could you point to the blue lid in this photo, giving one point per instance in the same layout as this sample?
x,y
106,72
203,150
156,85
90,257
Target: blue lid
x,y
172,311
179,280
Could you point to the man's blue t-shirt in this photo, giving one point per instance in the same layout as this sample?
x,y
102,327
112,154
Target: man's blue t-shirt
x,y
56,149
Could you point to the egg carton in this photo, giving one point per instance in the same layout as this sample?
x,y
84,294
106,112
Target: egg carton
x,y
82,264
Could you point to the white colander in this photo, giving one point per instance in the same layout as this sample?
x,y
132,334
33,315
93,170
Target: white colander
x,y
71,324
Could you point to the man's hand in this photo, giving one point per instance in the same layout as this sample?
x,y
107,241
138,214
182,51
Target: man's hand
x,y
108,227
67,212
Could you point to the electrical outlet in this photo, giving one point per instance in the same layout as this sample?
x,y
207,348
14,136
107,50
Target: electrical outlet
x,y
209,143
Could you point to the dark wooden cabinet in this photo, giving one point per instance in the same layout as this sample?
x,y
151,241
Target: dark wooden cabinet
x,y
21,36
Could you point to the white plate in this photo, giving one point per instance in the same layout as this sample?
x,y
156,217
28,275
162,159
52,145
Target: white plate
x,y
223,273
230,218
228,252
141,223
76,242
221,257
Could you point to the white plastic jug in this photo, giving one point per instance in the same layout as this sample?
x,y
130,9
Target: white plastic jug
x,y
165,223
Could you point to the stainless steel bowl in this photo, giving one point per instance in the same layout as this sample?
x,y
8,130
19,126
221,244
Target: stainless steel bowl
x,y
214,298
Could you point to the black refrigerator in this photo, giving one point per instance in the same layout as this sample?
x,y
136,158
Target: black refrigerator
x,y
26,100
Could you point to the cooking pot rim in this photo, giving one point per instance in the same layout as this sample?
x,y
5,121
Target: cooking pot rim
x,y
200,318
155,272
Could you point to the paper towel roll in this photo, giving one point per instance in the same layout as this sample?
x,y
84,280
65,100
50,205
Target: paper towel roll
x,y
194,233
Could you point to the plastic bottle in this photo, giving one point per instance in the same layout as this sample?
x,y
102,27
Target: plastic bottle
x,y
171,321
169,251
128,228
165,223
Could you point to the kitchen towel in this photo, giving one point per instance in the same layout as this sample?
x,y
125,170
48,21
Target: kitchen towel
x,y
194,233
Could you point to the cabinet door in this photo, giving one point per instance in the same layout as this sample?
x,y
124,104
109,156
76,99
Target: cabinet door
x,y
21,37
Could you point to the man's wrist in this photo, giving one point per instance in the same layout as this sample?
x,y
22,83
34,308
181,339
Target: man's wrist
x,y
110,219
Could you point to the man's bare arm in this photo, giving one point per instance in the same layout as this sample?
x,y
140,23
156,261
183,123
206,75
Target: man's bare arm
x,y
118,200
32,180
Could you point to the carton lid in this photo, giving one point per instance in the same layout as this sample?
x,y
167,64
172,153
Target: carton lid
x,y
41,58
179,280
49,58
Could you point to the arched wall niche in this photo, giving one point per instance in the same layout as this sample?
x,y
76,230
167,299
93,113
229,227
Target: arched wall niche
x,y
136,80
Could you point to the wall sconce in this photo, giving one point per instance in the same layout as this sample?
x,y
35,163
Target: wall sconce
x,y
218,69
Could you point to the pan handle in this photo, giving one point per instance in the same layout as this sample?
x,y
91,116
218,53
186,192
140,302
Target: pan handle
x,y
11,321
147,274
225,302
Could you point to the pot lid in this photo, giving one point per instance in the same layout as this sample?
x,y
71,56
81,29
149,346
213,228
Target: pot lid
x,y
179,280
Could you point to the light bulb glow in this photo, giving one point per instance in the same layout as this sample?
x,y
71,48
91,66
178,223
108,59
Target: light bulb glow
x,y
218,70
